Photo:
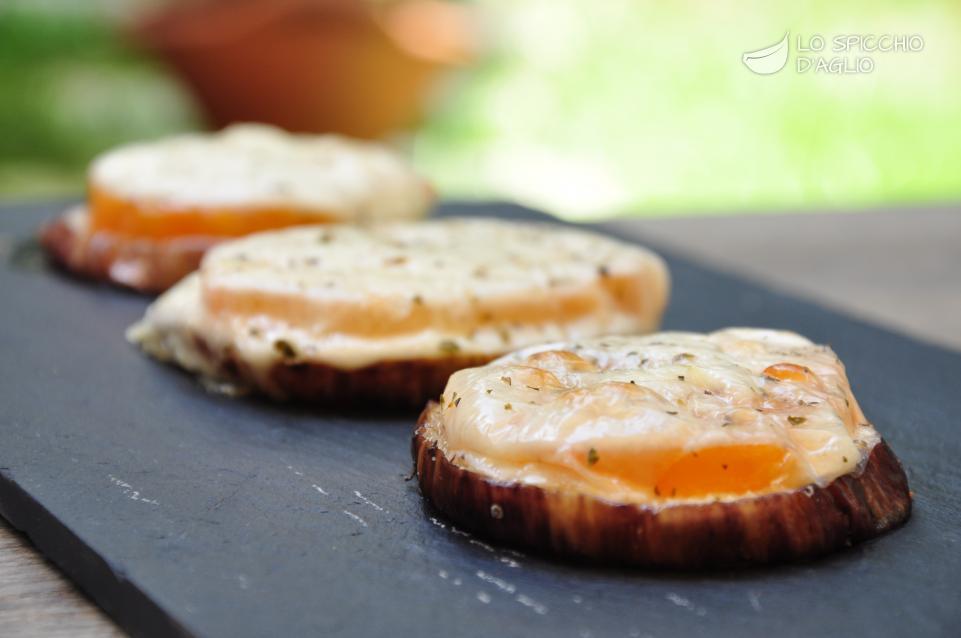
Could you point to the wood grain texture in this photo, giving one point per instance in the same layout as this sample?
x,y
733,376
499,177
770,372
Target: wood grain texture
x,y
36,600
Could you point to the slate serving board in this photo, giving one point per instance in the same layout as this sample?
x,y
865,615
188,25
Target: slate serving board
x,y
180,512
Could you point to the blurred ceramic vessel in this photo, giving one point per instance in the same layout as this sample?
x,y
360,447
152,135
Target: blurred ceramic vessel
x,y
347,66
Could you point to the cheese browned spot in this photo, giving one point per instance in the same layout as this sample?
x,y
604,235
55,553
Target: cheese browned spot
x,y
350,297
245,179
661,418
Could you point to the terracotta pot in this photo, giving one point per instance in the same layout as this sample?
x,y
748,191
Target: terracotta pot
x,y
310,65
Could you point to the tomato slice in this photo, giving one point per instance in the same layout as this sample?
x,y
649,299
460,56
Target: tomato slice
x,y
720,470
160,220
729,469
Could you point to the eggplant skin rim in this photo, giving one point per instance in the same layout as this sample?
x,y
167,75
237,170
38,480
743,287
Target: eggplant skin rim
x,y
771,528
94,255
403,384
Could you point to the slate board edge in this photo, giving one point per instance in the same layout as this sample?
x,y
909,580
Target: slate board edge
x,y
118,597
125,602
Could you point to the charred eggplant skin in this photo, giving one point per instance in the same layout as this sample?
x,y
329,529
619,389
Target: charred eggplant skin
x,y
767,529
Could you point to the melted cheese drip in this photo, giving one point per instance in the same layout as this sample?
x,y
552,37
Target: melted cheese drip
x,y
249,178
349,296
666,417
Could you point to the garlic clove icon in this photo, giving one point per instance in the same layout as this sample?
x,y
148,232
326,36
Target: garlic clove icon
x,y
769,59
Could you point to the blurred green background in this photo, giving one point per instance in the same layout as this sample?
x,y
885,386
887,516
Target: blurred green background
x,y
587,108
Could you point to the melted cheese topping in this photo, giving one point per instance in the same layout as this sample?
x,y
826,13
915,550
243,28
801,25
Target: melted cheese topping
x,y
666,417
351,296
249,178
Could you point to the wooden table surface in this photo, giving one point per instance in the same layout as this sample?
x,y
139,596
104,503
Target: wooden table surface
x,y
900,268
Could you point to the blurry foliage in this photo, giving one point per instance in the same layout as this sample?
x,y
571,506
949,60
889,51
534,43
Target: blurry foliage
x,y
70,88
590,108
580,106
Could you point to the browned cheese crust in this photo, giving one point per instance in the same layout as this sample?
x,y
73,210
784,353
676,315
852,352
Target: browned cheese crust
x,y
764,529
144,265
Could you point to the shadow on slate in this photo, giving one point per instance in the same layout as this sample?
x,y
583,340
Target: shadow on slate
x,y
180,512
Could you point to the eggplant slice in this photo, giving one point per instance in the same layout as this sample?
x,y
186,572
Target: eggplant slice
x,y
145,265
764,529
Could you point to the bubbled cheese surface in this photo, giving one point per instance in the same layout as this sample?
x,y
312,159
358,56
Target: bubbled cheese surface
x,y
651,419
249,168
351,296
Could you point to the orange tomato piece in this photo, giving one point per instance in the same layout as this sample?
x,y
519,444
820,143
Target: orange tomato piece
x,y
163,221
790,372
729,469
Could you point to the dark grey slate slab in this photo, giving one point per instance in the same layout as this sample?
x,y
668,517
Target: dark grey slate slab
x,y
183,512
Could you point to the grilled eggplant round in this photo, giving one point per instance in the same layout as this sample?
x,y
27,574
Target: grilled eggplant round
x,y
516,452
386,312
154,208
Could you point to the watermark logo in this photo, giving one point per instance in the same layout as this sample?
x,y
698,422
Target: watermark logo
x,y
769,59
841,54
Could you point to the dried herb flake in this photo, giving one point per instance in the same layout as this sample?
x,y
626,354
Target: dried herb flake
x,y
286,350
448,346
592,457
